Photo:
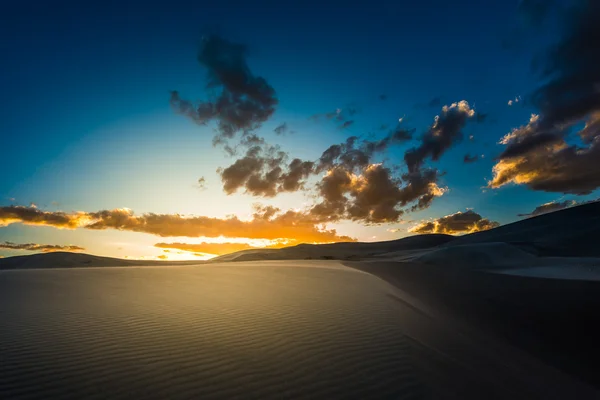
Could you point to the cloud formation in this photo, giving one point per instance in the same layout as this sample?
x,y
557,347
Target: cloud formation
x,y
550,207
265,172
457,223
45,248
374,196
243,101
444,133
555,206
467,159
267,223
281,129
544,154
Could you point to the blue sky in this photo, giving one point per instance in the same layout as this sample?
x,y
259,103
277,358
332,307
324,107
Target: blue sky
x,y
87,123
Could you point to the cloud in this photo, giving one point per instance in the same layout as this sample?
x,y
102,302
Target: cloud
x,y
383,97
45,248
543,160
265,172
467,159
243,101
356,153
281,129
162,257
457,223
202,183
550,207
34,216
341,115
346,124
374,196
555,206
544,154
445,132
267,223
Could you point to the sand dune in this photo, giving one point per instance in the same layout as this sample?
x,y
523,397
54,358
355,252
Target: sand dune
x,y
572,232
478,254
338,250
245,330
61,259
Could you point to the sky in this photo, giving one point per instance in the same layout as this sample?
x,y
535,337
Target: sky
x,y
186,130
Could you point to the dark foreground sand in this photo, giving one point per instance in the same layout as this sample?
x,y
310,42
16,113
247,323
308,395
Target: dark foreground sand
x,y
282,329
555,320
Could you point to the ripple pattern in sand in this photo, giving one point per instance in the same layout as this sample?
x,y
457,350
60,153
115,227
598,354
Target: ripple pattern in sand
x,y
222,331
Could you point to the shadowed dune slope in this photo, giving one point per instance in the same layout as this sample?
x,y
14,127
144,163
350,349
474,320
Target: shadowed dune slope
x,y
479,254
573,232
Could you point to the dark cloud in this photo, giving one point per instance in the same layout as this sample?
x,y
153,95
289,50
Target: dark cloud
x,y
458,223
346,124
550,207
341,115
281,129
264,171
243,100
45,248
545,155
467,159
202,183
374,196
383,97
555,206
446,131
356,153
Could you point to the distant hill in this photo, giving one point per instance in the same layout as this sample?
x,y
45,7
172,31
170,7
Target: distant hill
x,y
344,251
61,259
573,232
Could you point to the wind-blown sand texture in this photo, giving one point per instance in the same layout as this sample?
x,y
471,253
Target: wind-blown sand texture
x,y
243,330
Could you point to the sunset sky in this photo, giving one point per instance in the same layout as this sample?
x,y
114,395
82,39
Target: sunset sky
x,y
184,131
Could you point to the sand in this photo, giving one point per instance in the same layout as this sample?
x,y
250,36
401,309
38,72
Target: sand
x,y
553,320
479,254
293,329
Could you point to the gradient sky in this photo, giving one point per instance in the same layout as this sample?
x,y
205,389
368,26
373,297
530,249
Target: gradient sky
x,y
87,124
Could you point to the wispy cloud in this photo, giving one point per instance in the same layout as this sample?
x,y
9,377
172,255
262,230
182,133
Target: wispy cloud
x,y
45,248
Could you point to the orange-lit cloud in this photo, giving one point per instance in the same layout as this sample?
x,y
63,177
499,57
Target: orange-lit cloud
x,y
268,223
457,223
46,248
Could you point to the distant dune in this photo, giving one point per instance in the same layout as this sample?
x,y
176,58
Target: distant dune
x,y
567,233
573,232
338,251
62,259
